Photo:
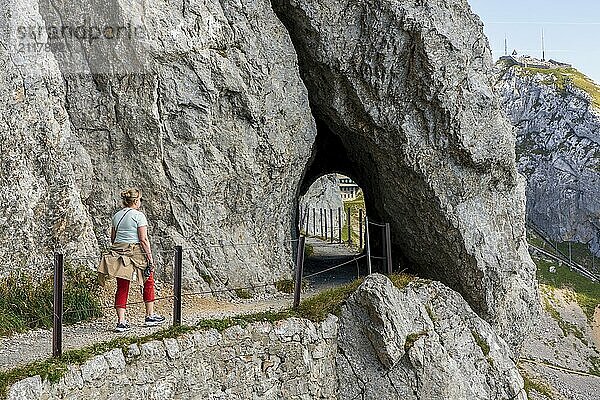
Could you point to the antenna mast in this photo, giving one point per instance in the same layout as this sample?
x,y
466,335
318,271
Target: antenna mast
x,y
505,46
543,47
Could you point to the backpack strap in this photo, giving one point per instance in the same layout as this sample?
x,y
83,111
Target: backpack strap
x,y
119,223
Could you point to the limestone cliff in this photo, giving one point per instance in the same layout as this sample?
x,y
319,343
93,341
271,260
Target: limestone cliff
x,y
201,104
402,95
212,124
557,119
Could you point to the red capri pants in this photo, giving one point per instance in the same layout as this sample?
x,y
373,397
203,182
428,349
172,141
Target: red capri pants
x,y
123,291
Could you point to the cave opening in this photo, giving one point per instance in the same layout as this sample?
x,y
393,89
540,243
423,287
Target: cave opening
x,y
337,185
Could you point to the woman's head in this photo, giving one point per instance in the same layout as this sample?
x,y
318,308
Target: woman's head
x,y
131,196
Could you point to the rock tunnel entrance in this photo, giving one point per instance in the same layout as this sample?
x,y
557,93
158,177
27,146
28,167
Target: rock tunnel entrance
x,y
407,111
333,191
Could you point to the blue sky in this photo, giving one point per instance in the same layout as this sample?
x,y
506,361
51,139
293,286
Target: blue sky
x,y
571,29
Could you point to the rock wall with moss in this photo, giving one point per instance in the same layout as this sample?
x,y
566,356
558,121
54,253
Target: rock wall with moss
x,y
421,341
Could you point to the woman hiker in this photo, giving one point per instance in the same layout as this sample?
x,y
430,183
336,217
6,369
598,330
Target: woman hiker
x,y
130,258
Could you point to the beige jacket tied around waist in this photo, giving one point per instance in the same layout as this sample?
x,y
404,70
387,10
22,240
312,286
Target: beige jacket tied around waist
x,y
125,261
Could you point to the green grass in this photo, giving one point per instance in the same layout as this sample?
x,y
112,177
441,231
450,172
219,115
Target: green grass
x,y
538,386
309,250
561,77
329,301
485,347
587,293
27,302
566,327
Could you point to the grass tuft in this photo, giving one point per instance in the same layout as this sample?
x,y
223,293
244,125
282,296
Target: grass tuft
x,y
329,301
26,302
537,386
412,338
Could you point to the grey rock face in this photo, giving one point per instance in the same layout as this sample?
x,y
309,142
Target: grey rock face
x,y
558,143
323,193
420,342
405,90
213,125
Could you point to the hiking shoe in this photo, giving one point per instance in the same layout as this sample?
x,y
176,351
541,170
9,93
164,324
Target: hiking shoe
x,y
122,327
153,320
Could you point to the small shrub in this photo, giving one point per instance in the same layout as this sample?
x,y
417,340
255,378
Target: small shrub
x,y
285,285
412,338
243,294
206,277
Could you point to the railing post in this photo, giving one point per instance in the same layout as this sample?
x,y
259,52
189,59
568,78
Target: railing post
x,y
177,268
57,319
321,221
299,271
339,225
360,228
368,246
388,248
349,226
307,218
331,223
325,224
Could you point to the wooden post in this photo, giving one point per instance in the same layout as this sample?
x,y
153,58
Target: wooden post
x,y
177,285
349,226
368,246
307,218
388,248
331,223
360,228
57,320
299,271
325,225
321,221
339,225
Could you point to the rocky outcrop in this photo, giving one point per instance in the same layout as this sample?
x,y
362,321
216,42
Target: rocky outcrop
x,y
322,196
421,342
201,105
323,193
558,149
402,96
204,110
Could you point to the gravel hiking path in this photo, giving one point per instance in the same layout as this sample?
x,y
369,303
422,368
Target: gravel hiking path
x,y
326,255
20,349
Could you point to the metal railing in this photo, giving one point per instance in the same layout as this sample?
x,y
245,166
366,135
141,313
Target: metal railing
x,y
178,294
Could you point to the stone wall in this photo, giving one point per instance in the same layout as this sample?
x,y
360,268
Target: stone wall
x,y
291,359
419,342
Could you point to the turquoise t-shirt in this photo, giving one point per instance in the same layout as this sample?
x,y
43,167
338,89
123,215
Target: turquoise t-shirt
x,y
127,232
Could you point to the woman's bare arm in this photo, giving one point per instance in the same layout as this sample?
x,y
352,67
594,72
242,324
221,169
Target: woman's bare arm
x,y
145,242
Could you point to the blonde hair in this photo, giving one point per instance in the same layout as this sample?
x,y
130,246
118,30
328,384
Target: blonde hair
x,y
129,196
